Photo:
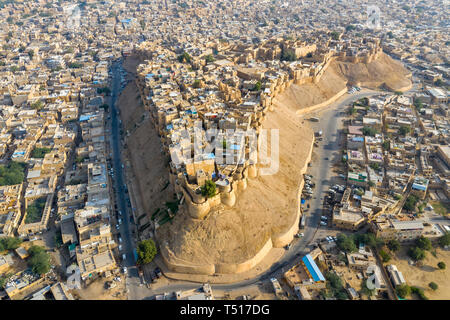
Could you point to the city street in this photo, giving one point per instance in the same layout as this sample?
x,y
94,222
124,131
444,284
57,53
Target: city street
x,y
128,244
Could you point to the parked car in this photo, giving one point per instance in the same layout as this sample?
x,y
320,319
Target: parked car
x,y
322,223
124,257
158,272
120,240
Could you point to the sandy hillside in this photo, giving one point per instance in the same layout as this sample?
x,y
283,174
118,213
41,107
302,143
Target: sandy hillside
x,y
429,272
382,71
301,96
143,150
266,207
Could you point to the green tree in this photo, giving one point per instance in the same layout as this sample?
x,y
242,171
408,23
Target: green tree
x,y
104,90
403,290
416,253
393,245
368,131
75,65
423,243
79,159
209,58
14,69
4,279
288,55
410,203
12,174
257,86
438,82
441,265
38,105
196,84
387,145
404,130
384,256
209,189
433,286
9,243
184,58
40,152
418,104
445,239
335,286
146,251
352,111
334,35
39,260
419,292
346,244
35,210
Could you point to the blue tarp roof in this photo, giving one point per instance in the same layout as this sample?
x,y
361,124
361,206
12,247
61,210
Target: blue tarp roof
x,y
313,268
419,187
85,117
234,147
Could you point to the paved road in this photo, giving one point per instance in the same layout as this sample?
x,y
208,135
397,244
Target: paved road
x,y
328,150
128,244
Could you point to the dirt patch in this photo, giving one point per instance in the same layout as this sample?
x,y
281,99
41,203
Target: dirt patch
x,y
297,97
428,272
383,71
97,291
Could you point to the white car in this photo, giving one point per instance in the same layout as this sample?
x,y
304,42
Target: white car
x,y
120,247
120,239
323,223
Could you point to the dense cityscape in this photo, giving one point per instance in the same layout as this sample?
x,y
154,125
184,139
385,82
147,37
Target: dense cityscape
x,y
224,150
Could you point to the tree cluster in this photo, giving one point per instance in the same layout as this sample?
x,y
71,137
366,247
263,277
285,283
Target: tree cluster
x,y
146,251
209,189
13,173
39,260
